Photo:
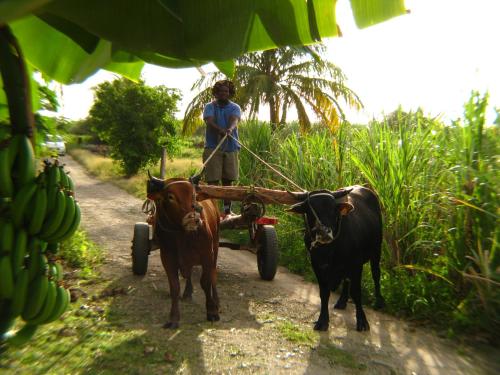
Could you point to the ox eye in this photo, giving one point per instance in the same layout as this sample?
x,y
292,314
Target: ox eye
x,y
171,197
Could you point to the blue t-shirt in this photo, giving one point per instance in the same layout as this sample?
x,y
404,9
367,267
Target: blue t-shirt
x,y
221,114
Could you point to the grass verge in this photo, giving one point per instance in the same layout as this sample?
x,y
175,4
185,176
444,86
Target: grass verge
x,y
109,170
336,356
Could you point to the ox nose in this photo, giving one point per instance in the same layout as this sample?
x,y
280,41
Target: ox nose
x,y
192,221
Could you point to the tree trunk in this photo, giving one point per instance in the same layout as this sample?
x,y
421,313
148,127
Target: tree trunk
x,y
283,114
274,113
163,163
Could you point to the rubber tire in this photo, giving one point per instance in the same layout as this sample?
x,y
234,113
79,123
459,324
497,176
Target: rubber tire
x,y
267,252
140,249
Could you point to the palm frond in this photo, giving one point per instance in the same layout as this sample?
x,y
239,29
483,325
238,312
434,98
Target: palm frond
x,y
194,111
304,122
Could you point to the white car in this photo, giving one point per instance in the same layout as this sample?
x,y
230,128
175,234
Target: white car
x,y
55,143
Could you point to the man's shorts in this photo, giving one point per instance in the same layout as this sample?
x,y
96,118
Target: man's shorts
x,y
222,166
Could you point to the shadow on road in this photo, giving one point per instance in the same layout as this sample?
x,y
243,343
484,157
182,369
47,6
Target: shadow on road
x,y
144,309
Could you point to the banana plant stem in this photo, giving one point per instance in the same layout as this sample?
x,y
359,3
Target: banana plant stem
x,y
16,83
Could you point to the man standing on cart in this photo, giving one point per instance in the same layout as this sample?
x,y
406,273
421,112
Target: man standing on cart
x,y
221,117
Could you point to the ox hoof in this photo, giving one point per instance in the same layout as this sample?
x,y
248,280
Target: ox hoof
x,y
213,317
340,305
379,304
171,325
362,325
321,326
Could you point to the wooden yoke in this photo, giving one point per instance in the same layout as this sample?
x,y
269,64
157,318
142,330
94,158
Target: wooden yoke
x,y
240,193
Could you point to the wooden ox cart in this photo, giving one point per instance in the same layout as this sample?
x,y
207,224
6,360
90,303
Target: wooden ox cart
x,y
263,240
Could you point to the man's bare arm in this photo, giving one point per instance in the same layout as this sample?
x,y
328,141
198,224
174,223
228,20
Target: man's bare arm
x,y
210,121
233,123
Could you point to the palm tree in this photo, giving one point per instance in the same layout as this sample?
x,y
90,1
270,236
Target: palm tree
x,y
282,78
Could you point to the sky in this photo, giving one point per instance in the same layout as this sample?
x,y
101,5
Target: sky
x,y
431,58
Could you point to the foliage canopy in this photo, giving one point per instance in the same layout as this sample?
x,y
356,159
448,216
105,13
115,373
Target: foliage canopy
x,y
135,120
283,78
69,40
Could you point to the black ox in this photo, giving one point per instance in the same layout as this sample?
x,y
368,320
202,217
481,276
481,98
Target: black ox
x,y
343,232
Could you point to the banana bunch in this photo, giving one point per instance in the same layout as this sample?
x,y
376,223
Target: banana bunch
x,y
37,212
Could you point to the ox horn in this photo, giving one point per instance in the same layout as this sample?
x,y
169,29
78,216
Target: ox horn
x,y
340,193
149,175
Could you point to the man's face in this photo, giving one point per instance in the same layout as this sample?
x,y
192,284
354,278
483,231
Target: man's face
x,y
222,93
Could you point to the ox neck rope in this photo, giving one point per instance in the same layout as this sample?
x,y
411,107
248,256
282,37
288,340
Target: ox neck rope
x,y
197,209
319,226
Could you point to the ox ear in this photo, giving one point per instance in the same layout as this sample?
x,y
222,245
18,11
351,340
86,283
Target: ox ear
x,y
345,208
298,208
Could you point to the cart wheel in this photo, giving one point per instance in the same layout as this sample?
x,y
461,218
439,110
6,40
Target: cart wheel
x,y
140,249
267,252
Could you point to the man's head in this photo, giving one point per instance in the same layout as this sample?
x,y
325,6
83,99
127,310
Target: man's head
x,y
223,90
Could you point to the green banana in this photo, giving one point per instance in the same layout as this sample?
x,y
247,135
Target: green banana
x,y
73,227
20,203
37,291
69,215
19,251
39,204
61,304
25,162
43,266
22,336
55,217
43,246
6,278
64,178
60,271
53,178
6,236
21,291
71,183
56,271
6,184
34,262
48,305
37,243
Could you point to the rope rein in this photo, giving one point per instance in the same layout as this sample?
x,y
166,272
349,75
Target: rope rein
x,y
267,164
253,154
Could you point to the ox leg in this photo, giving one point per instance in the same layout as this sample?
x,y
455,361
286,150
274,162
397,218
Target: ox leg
x,y
375,267
171,267
324,317
361,321
188,289
215,295
207,286
344,296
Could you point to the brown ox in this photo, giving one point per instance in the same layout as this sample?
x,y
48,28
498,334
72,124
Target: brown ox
x,y
188,234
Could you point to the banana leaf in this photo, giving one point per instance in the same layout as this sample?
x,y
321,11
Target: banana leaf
x,y
68,40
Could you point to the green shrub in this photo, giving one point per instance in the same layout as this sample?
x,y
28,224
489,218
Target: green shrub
x,y
80,252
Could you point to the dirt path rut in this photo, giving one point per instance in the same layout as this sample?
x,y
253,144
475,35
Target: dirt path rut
x,y
265,327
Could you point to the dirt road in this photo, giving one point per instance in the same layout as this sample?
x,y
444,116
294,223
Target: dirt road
x,y
265,327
